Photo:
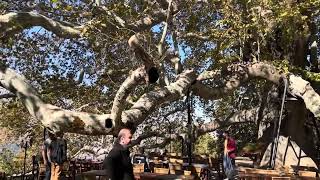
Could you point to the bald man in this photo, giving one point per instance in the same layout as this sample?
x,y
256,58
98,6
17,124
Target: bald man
x,y
118,164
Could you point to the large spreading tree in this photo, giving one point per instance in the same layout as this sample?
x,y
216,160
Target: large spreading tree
x,y
92,66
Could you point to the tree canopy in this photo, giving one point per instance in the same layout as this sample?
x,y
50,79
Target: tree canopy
x,y
93,66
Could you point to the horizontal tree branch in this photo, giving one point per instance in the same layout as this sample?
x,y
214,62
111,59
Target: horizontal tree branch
x,y
53,117
194,35
14,22
144,136
58,119
240,73
167,139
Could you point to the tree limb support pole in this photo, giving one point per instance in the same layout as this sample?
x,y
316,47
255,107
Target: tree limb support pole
x,y
274,148
189,128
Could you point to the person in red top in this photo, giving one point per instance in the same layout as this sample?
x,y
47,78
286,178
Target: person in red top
x,y
229,147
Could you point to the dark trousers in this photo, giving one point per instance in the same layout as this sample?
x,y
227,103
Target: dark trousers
x,y
233,162
48,171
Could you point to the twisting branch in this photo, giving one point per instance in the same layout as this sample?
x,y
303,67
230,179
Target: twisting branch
x,y
127,86
161,44
141,54
149,101
53,117
144,136
165,29
13,22
60,120
241,73
167,139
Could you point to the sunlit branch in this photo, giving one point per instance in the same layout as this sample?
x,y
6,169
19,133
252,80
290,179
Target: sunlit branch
x,y
127,86
14,22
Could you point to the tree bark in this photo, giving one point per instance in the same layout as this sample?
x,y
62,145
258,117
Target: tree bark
x,y
58,119
13,23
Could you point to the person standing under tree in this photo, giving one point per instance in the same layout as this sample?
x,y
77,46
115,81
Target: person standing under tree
x,y
229,155
46,155
58,152
118,164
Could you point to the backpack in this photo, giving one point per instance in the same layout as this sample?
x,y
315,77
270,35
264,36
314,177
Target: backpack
x,y
59,154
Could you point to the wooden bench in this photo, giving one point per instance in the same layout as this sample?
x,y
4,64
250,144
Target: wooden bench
x,y
161,170
305,170
138,168
156,176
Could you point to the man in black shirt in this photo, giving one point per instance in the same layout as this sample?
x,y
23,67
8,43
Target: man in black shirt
x,y
117,164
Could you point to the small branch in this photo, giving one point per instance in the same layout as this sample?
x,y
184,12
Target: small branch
x,y
85,105
244,116
175,110
81,75
165,29
119,20
208,75
175,58
164,78
194,35
149,21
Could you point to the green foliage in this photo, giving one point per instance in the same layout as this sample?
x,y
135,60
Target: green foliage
x,y
205,144
261,30
6,161
243,134
11,163
175,146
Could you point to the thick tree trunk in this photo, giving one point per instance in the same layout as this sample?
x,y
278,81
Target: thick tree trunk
x,y
301,49
288,153
293,135
297,116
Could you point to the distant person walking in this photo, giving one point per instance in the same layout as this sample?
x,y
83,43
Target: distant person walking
x,y
117,164
229,155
